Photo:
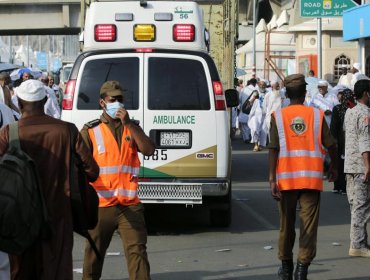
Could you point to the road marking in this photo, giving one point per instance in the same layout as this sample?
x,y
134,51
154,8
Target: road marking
x,y
265,223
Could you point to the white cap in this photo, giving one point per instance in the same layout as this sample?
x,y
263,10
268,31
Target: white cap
x,y
323,83
357,65
31,91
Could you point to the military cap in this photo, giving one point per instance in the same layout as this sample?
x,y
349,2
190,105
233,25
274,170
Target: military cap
x,y
111,88
295,80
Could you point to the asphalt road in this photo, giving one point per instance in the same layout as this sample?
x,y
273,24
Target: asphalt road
x,y
182,245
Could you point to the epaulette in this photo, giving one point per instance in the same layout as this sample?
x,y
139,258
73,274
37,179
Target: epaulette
x,y
136,122
93,123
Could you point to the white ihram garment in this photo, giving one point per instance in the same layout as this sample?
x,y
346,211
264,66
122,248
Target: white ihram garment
x,y
325,103
243,118
255,123
271,103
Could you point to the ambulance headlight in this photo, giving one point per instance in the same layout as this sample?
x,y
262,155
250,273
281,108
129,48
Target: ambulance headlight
x,y
144,32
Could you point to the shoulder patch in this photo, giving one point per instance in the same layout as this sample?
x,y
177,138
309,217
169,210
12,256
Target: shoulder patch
x,y
93,123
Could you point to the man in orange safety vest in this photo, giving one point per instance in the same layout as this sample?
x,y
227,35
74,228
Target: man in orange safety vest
x,y
114,141
297,136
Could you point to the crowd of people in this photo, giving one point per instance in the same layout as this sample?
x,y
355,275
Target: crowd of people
x,y
297,120
8,94
312,130
268,97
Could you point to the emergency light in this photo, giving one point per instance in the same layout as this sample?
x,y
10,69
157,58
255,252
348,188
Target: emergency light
x,y
144,32
184,32
105,33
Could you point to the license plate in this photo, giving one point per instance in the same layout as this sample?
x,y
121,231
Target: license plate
x,y
174,139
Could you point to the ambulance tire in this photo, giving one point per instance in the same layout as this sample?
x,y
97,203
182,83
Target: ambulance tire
x,y
221,217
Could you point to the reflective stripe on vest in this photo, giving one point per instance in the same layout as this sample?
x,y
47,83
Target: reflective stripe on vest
x,y
116,169
296,174
117,192
99,140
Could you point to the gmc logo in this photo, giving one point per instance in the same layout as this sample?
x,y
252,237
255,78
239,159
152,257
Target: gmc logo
x,y
204,156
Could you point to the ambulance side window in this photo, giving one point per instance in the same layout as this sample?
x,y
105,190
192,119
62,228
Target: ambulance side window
x,y
177,84
96,72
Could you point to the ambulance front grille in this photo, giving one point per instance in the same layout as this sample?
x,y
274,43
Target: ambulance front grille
x,y
170,193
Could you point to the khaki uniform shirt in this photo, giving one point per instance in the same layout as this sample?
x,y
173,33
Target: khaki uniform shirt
x,y
357,130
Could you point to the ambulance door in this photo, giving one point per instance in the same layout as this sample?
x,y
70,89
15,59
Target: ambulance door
x,y
127,68
179,116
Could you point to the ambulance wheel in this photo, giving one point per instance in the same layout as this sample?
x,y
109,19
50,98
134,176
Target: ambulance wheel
x,y
220,217
220,214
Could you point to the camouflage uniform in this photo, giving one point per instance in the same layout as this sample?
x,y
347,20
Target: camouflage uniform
x,y
357,129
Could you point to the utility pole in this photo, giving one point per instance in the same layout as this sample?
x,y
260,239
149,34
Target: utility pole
x,y
361,45
254,34
319,48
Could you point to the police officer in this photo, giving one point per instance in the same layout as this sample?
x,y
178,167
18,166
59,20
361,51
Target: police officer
x,y
357,168
114,141
297,134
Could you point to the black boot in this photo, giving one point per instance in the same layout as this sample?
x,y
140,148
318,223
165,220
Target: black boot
x,y
286,270
301,271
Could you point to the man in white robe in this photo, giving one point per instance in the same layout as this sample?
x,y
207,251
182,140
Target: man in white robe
x,y
257,117
345,79
243,118
271,103
325,100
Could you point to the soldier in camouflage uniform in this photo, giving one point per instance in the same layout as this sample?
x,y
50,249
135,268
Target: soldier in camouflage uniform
x,y
357,168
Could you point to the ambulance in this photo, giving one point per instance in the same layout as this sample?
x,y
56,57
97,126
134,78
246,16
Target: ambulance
x,y
158,51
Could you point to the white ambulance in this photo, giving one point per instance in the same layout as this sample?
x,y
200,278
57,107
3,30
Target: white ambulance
x,y
157,50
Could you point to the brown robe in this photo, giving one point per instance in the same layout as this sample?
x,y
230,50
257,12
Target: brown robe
x,y
47,141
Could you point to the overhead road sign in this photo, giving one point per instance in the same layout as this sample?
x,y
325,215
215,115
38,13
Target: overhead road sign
x,y
356,23
325,8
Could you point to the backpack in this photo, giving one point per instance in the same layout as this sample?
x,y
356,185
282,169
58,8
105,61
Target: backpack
x,y
84,199
23,213
247,105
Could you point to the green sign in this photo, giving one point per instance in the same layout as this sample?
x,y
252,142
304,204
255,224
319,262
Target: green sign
x,y
325,8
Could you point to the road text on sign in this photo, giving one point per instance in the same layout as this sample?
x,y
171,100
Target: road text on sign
x,y
325,8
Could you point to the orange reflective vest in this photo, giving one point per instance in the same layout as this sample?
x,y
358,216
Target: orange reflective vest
x,y
300,161
119,167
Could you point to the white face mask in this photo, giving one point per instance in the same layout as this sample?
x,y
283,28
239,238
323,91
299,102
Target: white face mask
x,y
112,108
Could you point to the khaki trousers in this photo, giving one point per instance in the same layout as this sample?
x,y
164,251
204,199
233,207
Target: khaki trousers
x,y
130,223
309,201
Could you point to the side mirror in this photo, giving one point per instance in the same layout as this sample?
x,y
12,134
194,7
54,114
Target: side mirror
x,y
232,97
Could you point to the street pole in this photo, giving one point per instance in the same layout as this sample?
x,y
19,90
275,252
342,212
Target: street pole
x,y
319,49
361,45
254,34
11,49
28,51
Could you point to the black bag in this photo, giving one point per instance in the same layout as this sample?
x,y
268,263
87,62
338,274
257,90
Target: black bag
x,y
84,199
247,105
23,214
